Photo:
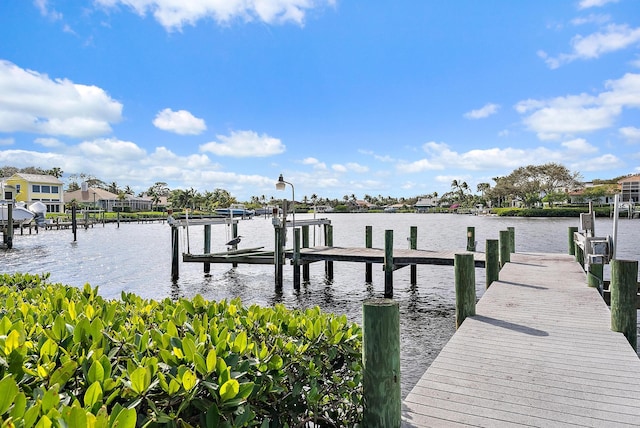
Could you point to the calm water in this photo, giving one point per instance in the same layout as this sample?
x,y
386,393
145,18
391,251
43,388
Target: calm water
x,y
137,258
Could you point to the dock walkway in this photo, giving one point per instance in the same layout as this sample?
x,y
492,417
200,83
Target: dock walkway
x,y
539,352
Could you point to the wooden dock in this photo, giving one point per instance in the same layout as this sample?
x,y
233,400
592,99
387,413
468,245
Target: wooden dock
x,y
539,352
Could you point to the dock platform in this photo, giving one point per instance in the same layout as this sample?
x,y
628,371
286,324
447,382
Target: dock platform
x,y
539,353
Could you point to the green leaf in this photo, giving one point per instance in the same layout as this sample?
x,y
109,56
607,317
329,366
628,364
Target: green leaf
x,y
276,362
12,342
63,374
31,415
125,419
212,360
49,348
96,372
93,395
19,405
8,391
229,389
59,330
188,348
245,389
44,422
140,380
240,342
189,380
77,418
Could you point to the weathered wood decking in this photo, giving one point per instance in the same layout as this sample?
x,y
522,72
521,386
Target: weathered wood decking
x,y
539,353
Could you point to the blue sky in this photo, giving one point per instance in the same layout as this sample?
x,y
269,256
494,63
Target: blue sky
x,y
341,97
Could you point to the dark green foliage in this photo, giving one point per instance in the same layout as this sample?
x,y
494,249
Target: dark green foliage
x,y
550,212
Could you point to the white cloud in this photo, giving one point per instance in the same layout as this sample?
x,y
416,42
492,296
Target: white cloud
x,y
32,102
109,148
586,4
49,142
591,19
339,167
579,146
6,141
600,163
180,122
314,162
173,15
614,38
356,167
483,112
244,144
46,11
568,115
630,133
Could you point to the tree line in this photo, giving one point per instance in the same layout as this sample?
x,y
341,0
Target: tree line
x,y
530,185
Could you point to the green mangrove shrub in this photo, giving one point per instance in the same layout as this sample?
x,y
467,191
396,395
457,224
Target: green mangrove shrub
x,y
68,357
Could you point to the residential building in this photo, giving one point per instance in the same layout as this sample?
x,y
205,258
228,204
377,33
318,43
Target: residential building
x,y
100,199
423,205
630,189
30,188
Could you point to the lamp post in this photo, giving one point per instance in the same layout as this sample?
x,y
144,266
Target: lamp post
x,y
280,185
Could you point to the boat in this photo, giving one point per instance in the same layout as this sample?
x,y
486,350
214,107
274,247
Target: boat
x,y
20,214
235,210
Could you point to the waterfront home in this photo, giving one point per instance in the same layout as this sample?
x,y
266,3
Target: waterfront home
x,y
100,199
630,188
423,205
30,188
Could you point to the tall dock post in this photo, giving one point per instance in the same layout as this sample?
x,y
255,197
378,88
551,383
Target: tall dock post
x,y
465,284
74,222
207,247
492,261
388,264
9,236
505,246
296,258
175,254
381,364
624,289
572,244
368,243
471,238
512,239
305,244
413,244
278,253
328,241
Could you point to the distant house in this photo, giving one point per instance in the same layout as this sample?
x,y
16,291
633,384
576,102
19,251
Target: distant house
x,y
362,205
425,204
100,199
30,188
630,189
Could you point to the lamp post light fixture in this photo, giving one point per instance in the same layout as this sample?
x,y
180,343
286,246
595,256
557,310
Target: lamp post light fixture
x,y
280,185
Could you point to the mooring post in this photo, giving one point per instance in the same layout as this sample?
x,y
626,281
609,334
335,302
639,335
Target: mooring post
x,y
624,290
512,239
413,244
118,219
305,244
175,254
388,264
74,221
471,238
207,246
296,258
492,261
571,236
382,404
465,284
10,225
234,235
368,243
278,255
505,254
328,240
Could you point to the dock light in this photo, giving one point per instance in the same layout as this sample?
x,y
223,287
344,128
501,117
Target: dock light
x,y
281,185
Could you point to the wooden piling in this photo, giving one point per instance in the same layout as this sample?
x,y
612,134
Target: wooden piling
x,y
471,238
492,261
305,244
413,244
505,254
234,235
368,243
465,285
9,237
382,404
296,258
175,253
624,289
571,242
278,255
207,247
388,264
74,222
328,241
512,239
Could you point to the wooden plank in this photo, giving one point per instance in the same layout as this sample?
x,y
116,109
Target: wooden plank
x,y
539,352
